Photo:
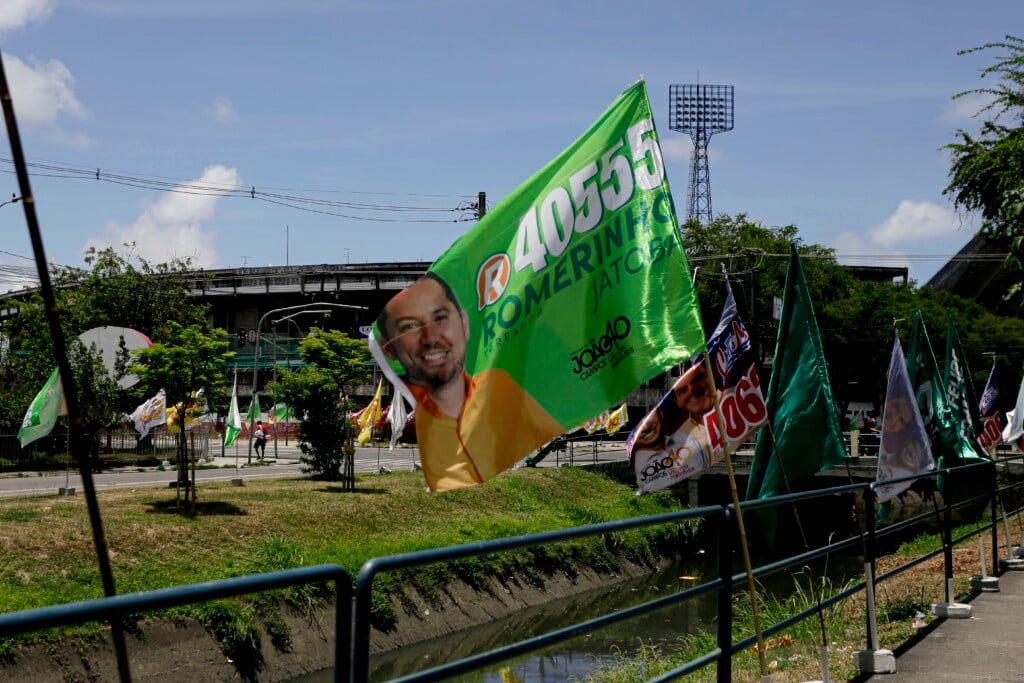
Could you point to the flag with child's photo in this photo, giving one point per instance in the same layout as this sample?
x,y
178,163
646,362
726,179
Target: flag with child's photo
x,y
905,449
681,435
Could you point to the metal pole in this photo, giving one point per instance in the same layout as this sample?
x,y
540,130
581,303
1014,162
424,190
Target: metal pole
x,y
256,356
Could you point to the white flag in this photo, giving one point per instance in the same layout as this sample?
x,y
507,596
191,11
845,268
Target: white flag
x,y
905,449
150,414
234,424
41,415
1014,428
396,419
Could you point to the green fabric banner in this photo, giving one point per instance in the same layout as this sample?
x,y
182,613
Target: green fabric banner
x,y
565,297
931,396
41,415
960,395
802,414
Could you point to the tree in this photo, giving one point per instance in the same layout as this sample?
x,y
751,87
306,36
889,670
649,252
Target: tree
x,y
119,289
318,392
987,169
193,358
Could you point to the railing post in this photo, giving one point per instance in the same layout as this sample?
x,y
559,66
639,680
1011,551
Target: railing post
x,y
872,659
342,628
869,567
361,627
726,533
995,523
949,608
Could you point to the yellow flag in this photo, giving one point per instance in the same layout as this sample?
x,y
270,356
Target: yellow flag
x,y
616,420
370,417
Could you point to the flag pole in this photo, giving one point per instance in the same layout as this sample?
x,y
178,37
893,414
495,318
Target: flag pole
x,y
747,566
77,434
807,548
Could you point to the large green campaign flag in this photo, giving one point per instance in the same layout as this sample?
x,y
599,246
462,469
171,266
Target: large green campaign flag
x,y
802,415
575,290
577,283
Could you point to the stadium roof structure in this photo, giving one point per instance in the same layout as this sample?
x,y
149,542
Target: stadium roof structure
x,y
978,272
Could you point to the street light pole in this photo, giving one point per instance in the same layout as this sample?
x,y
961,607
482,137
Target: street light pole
x,y
274,323
256,356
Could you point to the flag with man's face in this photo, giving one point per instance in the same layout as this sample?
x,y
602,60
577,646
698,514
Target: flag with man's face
x,y
565,297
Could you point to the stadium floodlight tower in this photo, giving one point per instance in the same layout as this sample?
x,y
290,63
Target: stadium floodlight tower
x,y
700,111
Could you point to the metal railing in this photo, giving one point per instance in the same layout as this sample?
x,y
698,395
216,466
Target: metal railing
x,y
353,623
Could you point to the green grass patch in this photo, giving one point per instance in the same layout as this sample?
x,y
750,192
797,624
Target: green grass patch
x,y
278,524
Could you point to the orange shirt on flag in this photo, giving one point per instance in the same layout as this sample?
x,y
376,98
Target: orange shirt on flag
x,y
498,419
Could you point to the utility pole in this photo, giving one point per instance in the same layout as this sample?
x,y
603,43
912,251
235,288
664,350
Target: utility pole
x,y
481,205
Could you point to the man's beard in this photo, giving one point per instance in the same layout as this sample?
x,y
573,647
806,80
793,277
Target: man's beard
x,y
440,377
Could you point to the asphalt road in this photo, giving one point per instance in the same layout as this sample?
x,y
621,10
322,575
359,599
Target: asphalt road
x,y
283,464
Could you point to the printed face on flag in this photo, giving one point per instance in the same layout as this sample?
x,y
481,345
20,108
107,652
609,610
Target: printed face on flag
x,y
425,329
681,435
550,310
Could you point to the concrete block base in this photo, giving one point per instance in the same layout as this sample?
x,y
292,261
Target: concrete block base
x,y
985,584
1012,563
951,610
875,661
1016,552
238,482
65,492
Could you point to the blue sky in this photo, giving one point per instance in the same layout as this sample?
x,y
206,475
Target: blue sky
x,y
841,113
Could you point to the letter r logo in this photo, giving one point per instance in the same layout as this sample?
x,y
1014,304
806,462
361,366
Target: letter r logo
x,y
492,279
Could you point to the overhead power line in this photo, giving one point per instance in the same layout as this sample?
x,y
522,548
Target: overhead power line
x,y
330,207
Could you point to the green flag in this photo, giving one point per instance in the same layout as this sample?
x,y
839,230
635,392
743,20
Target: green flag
x,y
253,413
41,415
976,483
234,423
802,414
960,396
565,297
931,397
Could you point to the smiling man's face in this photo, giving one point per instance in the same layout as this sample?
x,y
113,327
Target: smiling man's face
x,y
427,333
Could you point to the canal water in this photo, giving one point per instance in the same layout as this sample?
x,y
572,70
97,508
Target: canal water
x,y
584,654
575,657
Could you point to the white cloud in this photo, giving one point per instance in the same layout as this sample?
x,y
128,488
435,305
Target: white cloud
x,y
16,13
174,225
915,222
679,147
222,111
42,91
965,110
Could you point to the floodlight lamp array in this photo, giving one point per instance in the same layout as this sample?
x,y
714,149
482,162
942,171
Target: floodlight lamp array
x,y
704,109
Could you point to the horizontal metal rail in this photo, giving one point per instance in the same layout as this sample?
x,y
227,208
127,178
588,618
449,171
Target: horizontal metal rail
x,y
352,646
119,606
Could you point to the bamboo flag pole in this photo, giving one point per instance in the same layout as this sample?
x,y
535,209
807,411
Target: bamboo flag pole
x,y
739,519
803,538
67,377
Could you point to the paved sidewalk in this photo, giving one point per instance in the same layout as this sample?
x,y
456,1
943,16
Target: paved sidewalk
x,y
989,646
235,464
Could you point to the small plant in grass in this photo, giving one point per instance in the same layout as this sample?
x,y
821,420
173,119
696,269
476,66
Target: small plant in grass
x,y
234,626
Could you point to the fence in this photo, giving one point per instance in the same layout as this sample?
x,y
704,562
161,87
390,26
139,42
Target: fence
x,y
353,638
